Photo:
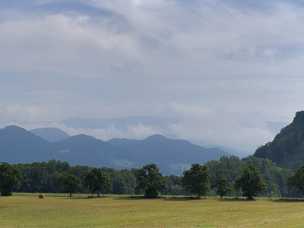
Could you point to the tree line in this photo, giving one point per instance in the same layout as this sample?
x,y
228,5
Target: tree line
x,y
229,176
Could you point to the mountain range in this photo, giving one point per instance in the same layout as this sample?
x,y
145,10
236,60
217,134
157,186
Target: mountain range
x,y
18,145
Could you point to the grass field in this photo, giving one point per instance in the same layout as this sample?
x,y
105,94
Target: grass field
x,y
52,212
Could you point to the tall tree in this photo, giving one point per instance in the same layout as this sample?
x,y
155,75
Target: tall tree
x,y
222,186
196,180
250,182
150,180
70,183
97,182
9,178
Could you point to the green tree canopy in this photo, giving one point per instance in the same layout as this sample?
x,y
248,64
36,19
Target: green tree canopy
x,y
150,180
250,182
196,180
97,182
222,186
70,183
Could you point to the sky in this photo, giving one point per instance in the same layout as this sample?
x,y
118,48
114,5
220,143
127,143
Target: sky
x,y
216,72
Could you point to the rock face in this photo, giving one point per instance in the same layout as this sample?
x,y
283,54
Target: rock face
x,y
287,148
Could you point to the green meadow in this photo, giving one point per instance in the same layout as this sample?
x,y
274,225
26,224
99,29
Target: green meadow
x,y
27,211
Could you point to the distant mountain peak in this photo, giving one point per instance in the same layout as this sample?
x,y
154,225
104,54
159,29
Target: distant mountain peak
x,y
83,138
19,145
51,134
157,137
14,128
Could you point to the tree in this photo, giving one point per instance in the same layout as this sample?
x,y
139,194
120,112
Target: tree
x,y
196,180
173,185
250,182
150,180
123,182
97,182
9,179
226,167
222,186
70,183
297,180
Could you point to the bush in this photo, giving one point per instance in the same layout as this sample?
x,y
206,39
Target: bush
x,y
41,196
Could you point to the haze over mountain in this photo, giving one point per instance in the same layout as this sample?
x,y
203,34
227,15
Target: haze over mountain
x,y
18,145
51,134
287,148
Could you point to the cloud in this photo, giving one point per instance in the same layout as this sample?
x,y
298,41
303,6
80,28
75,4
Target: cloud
x,y
222,69
12,114
157,39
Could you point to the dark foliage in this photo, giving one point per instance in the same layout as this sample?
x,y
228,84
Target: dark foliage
x,y
48,177
70,183
250,182
297,180
222,186
230,168
52,177
97,181
150,181
173,186
9,178
196,180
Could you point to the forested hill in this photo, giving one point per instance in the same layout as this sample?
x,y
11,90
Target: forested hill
x,y
18,145
287,148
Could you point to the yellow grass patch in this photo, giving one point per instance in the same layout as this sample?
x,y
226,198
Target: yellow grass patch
x,y
54,211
